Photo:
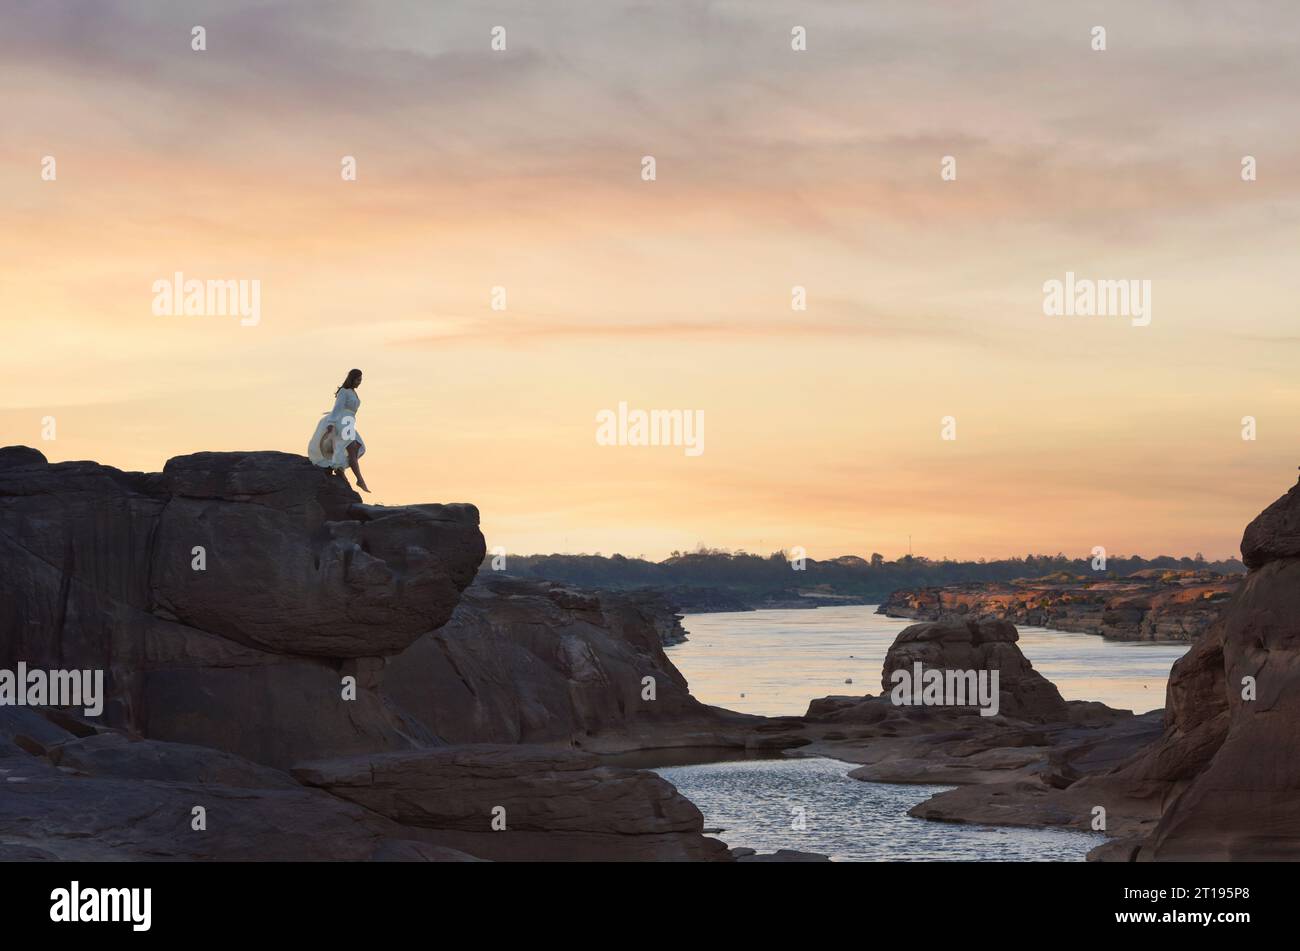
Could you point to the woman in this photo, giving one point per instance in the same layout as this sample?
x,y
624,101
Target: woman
x,y
336,442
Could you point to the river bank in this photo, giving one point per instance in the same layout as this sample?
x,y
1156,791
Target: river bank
x,y
1150,605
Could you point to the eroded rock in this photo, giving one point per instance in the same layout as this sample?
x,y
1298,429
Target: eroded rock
x,y
547,804
299,585
977,646
532,662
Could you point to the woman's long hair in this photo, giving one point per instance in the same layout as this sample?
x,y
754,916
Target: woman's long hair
x,y
349,382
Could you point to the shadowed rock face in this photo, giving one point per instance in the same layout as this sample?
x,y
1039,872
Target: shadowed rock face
x,y
1275,532
1222,781
531,662
302,585
104,797
1231,765
549,804
218,681
296,565
978,645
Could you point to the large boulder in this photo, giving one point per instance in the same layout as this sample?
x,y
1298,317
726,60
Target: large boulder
x,y
1275,532
296,565
986,645
17,456
227,598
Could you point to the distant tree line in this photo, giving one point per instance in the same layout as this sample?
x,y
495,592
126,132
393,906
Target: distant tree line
x,y
750,575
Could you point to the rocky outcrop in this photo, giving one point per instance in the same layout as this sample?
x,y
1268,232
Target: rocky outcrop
x,y
104,796
297,565
537,662
986,645
1274,535
226,597
1222,780
1036,737
243,608
1147,606
524,802
661,612
780,855
1229,763
1050,763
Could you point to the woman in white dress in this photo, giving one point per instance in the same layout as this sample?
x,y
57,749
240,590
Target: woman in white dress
x,y
336,442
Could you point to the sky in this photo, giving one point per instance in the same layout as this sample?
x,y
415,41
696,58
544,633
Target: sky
x,y
821,168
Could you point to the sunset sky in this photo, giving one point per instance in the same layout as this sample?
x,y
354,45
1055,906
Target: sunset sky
x,y
775,168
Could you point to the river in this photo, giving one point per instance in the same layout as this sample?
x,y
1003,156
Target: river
x,y
773,662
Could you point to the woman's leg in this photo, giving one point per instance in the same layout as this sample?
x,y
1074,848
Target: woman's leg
x,y
356,467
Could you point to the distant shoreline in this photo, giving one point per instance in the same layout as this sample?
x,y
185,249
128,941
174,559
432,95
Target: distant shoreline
x,y
1149,606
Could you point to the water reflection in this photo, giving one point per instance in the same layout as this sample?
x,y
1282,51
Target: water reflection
x,y
757,805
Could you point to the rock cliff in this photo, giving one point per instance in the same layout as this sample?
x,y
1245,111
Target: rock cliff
x,y
1228,765
226,597
246,609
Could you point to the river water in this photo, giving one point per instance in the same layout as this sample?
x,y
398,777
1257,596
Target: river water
x,y
773,662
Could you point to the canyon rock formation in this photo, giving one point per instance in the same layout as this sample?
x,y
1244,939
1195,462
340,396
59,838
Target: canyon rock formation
x,y
246,610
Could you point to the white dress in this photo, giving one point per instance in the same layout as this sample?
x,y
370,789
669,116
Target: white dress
x,y
330,451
